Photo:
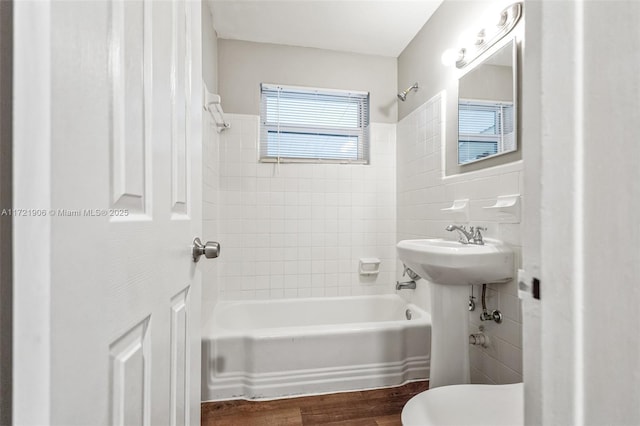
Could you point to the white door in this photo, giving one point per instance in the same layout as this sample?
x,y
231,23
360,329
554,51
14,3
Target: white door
x,y
108,154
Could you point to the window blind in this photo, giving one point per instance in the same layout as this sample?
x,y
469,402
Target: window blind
x,y
484,129
313,125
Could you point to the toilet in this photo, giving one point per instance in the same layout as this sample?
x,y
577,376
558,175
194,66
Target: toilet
x,y
467,405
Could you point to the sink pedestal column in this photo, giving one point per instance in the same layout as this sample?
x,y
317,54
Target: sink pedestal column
x,y
449,335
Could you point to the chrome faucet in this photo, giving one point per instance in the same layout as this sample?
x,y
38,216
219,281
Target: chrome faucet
x,y
472,236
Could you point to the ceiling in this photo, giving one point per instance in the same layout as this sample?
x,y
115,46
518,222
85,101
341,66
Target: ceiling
x,y
375,27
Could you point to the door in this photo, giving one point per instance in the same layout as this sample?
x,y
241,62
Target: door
x,y
108,169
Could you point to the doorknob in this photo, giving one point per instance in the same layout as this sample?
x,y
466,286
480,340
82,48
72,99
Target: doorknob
x,y
210,249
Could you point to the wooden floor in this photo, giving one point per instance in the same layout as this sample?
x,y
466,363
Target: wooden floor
x,y
380,407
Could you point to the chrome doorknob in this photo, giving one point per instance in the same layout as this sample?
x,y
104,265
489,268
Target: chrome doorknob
x,y
210,249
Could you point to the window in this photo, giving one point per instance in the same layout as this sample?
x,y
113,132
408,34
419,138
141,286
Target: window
x,y
484,129
313,125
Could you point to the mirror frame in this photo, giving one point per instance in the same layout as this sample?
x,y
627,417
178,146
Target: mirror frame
x,y
473,65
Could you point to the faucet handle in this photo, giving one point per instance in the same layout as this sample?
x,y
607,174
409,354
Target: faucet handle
x,y
477,236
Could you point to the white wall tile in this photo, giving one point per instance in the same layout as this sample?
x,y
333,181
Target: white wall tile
x,y
304,225
211,196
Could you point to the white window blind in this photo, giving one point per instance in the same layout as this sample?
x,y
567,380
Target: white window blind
x,y
484,129
313,125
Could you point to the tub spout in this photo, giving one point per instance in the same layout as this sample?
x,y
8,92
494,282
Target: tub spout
x,y
411,285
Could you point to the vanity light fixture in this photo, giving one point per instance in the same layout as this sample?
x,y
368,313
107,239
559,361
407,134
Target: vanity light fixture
x,y
473,44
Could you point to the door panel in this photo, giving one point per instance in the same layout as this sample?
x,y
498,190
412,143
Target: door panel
x,y
130,62
130,377
120,105
180,58
180,358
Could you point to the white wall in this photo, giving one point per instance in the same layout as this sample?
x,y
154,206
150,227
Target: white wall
x,y
421,194
298,230
244,65
209,49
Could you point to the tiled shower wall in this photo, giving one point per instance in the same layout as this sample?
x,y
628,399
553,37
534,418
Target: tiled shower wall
x,y
422,193
298,230
210,228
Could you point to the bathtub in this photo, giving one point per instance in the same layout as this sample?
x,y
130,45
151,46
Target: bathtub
x,y
279,348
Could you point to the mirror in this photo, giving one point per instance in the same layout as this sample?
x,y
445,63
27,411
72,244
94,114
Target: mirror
x,y
487,107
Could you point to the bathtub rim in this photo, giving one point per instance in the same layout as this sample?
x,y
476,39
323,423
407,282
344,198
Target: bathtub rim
x,y
212,330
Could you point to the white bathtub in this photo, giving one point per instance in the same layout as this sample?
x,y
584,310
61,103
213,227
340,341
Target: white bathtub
x,y
277,348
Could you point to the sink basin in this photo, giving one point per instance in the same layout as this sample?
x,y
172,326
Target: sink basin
x,y
453,263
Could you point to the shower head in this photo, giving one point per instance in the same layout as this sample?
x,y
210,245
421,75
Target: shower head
x,y
403,95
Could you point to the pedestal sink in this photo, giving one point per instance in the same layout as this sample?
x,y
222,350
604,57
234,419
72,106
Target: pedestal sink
x,y
451,267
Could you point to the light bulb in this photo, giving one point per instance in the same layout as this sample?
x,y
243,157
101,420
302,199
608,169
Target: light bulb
x,y
449,57
468,38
